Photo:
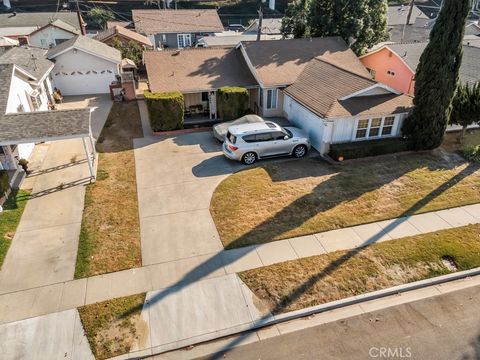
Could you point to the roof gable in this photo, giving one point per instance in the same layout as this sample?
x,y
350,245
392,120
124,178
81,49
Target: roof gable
x,y
59,24
30,59
176,21
123,32
88,45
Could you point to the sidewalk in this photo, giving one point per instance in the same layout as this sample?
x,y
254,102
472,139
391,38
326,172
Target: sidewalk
x,y
185,272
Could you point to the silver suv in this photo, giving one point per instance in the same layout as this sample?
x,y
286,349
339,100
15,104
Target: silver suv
x,y
249,142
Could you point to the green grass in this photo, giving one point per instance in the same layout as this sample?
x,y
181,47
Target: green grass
x,y
295,198
112,327
9,219
320,279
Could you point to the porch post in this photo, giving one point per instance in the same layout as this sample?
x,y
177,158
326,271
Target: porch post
x,y
92,176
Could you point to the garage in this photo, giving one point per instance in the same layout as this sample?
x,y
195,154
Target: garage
x,y
84,66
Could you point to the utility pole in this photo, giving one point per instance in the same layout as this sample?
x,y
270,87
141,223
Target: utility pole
x,y
260,19
409,16
80,20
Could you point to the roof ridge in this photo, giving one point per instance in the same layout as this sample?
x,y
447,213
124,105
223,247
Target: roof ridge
x,y
319,58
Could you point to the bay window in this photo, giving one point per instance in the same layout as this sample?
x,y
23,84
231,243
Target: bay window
x,y
374,128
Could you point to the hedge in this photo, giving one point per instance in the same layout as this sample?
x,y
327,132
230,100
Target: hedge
x,y
232,102
4,182
359,149
165,110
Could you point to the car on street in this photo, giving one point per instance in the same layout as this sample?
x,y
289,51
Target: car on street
x,y
220,130
250,142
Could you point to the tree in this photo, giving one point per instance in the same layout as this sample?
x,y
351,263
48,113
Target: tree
x,y
131,50
361,23
466,107
101,16
437,77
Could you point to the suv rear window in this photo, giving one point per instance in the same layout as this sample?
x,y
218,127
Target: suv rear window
x,y
232,138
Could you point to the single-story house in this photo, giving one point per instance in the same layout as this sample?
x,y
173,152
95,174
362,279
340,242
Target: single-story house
x,y
395,64
318,84
52,34
26,88
176,28
198,73
20,25
270,26
84,66
123,35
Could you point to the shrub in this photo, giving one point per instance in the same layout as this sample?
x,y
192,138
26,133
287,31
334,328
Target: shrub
x,y
232,102
472,153
4,182
359,149
165,110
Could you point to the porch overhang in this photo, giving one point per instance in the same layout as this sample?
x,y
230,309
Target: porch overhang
x,y
54,125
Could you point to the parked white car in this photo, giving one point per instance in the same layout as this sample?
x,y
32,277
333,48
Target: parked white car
x,y
250,142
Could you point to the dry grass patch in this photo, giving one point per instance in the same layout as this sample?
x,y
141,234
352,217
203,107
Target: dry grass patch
x,y
110,233
289,199
115,327
320,279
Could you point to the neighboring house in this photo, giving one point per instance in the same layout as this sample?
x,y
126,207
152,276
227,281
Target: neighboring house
x,y
318,84
270,26
26,87
232,40
123,35
395,65
52,34
418,28
6,44
20,25
473,28
84,66
176,28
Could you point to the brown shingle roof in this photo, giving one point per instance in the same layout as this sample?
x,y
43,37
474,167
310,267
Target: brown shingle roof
x,y
176,21
121,31
280,62
321,85
193,70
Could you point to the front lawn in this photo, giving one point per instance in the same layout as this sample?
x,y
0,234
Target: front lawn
x,y
320,279
9,219
110,232
113,327
450,142
294,198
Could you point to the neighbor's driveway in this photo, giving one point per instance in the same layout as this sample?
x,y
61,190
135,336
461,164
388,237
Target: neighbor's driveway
x,y
176,177
44,248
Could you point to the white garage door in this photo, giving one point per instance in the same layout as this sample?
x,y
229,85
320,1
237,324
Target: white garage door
x,y
308,122
80,83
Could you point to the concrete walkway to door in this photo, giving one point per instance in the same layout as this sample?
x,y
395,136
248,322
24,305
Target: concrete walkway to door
x,y
44,248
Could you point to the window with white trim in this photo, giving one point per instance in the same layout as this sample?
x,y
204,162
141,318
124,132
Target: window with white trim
x,y
184,40
374,128
271,98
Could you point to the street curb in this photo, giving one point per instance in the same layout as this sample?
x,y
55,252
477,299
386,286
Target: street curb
x,y
334,305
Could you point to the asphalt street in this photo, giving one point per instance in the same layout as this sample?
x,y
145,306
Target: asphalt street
x,y
443,327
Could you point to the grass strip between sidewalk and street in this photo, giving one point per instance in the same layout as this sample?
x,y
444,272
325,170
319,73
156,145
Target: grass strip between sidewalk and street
x,y
9,219
316,280
110,231
114,327
294,198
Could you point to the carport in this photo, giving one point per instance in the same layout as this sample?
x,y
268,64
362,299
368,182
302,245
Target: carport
x,y
41,126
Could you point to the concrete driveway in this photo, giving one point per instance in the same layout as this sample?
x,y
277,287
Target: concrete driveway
x,y
44,248
176,177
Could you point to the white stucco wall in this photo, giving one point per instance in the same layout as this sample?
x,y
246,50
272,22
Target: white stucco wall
x,y
88,82
50,34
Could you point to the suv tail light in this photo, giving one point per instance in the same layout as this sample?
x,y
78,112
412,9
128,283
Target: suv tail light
x,y
233,148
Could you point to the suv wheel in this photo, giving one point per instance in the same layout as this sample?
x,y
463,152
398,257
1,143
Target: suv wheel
x,y
300,151
249,158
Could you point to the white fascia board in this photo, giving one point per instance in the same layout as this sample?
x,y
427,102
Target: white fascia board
x,y
374,86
